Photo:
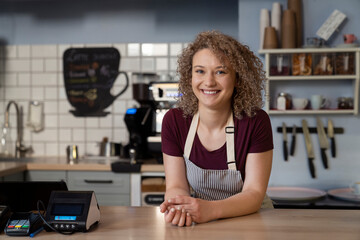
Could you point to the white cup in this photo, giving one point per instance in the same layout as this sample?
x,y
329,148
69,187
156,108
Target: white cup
x,y
318,101
299,103
355,188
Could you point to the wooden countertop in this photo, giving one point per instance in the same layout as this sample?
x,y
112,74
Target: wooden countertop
x,y
147,223
57,164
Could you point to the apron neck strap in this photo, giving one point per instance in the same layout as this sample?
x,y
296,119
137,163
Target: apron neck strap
x,y
191,135
230,142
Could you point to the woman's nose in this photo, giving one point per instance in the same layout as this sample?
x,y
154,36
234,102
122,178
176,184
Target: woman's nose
x,y
210,80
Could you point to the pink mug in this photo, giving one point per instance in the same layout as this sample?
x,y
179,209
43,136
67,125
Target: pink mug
x,y
349,38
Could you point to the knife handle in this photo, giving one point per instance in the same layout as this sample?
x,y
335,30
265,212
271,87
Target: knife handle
x,y
292,146
285,150
333,148
311,167
324,158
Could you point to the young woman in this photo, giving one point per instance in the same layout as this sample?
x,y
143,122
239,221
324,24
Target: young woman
x,y
217,145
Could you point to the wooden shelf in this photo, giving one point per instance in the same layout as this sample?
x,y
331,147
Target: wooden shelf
x,y
306,50
310,112
322,77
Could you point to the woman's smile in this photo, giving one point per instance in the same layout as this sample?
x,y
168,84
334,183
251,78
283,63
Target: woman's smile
x,y
210,92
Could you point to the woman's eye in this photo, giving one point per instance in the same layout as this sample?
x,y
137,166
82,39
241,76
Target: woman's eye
x,y
220,72
199,71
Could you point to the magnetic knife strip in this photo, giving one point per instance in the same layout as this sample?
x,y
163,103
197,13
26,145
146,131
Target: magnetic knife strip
x,y
311,130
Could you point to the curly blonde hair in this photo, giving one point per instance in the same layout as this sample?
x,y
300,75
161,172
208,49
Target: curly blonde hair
x,y
250,76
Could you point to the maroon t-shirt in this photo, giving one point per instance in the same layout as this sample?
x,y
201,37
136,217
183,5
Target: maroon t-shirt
x,y
252,135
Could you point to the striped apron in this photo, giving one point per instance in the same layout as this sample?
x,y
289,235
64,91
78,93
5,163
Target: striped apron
x,y
209,184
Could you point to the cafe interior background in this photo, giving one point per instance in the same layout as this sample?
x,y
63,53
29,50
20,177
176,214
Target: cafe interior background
x,y
35,33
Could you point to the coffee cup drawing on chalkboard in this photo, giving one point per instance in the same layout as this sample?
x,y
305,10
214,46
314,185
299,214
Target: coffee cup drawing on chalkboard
x,y
89,75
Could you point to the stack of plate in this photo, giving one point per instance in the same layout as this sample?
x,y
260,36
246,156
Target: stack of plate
x,y
344,194
300,194
294,194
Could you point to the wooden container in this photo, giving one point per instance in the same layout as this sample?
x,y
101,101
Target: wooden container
x,y
276,12
270,38
296,7
155,184
288,28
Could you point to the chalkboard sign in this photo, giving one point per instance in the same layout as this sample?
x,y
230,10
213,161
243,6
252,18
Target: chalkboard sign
x,y
89,75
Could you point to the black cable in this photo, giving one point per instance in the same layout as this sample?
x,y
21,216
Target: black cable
x,y
42,218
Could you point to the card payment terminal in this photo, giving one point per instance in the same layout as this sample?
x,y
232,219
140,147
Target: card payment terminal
x,y
72,211
23,223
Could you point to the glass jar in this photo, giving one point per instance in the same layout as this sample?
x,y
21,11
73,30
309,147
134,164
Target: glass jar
x,y
342,103
345,63
283,101
323,64
301,64
280,65
350,102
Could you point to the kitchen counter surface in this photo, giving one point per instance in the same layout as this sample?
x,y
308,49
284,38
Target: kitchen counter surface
x,y
12,166
147,223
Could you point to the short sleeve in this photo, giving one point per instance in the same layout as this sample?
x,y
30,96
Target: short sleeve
x,y
171,141
261,137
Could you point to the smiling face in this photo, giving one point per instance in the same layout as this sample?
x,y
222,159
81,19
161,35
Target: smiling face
x,y
212,82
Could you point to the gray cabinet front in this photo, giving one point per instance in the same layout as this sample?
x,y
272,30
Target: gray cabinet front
x,y
110,188
37,175
13,177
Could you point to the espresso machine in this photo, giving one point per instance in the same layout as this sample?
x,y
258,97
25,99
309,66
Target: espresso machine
x,y
144,122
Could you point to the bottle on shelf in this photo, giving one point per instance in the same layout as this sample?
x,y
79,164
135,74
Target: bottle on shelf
x,y
283,101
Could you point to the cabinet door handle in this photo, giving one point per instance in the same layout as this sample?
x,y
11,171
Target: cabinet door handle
x,y
98,181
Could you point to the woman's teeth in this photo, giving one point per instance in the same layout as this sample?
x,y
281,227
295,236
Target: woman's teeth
x,y
210,92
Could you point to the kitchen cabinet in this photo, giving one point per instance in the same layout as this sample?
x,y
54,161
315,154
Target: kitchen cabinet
x,y
110,188
37,175
13,177
323,71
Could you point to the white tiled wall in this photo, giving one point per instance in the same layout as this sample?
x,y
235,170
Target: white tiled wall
x,y
34,72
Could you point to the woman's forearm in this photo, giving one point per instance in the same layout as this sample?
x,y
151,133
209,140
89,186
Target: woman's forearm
x,y
176,191
238,205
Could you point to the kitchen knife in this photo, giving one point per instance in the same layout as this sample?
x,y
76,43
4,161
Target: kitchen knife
x,y
285,149
293,141
332,138
309,147
323,141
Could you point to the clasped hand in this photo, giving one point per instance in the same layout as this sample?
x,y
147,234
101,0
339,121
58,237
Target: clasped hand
x,y
183,210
